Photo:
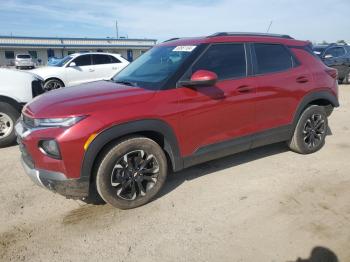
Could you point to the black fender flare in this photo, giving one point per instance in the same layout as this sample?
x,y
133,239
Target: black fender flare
x,y
311,97
154,125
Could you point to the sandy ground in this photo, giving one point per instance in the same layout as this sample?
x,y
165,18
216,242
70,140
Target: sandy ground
x,y
267,204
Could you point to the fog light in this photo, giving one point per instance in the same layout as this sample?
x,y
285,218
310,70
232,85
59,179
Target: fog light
x,y
50,148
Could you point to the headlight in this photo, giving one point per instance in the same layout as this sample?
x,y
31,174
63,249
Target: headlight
x,y
57,122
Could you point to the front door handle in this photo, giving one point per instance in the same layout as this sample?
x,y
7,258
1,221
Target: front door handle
x,y
244,89
302,79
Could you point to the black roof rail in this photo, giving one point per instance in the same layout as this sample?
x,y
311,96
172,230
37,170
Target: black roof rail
x,y
171,39
249,34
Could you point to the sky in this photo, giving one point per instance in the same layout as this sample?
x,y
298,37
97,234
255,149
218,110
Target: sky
x,y
314,20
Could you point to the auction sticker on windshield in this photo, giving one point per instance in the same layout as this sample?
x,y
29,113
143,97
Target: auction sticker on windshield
x,y
184,48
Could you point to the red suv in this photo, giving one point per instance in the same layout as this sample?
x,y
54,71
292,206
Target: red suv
x,y
184,102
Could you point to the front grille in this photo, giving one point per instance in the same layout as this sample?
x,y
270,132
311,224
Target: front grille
x,y
28,121
37,87
25,155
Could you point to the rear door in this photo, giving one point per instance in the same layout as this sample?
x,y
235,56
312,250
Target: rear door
x,y
82,71
224,111
282,81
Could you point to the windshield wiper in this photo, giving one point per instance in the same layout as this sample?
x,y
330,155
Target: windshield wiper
x,y
125,83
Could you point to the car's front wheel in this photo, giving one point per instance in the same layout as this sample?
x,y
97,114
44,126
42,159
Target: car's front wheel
x,y
311,130
8,118
53,84
131,172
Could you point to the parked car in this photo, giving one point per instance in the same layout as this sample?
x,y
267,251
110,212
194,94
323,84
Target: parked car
x,y
336,56
16,89
24,61
184,102
80,68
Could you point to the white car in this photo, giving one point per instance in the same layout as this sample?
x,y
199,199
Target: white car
x,y
24,61
16,89
80,68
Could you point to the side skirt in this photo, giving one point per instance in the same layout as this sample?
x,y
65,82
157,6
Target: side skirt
x,y
233,146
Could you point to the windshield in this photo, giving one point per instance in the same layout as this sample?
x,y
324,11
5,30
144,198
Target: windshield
x,y
24,56
155,67
60,62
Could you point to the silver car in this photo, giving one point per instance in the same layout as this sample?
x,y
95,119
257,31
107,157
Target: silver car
x,y
24,61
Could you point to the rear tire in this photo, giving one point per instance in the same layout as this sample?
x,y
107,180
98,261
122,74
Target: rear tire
x,y
8,118
131,172
310,131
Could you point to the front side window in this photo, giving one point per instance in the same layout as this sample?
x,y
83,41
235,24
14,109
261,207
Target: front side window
x,y
272,58
154,68
9,54
226,60
335,51
83,60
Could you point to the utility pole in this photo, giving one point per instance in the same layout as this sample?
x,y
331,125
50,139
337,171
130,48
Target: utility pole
x,y
116,28
268,29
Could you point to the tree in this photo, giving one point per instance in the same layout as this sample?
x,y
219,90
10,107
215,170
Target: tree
x,y
341,42
324,42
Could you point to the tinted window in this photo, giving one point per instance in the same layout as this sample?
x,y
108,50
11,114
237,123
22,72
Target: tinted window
x,y
272,58
335,51
83,60
114,60
23,56
226,60
101,59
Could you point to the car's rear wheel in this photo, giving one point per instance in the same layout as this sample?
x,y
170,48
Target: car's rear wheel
x,y
131,172
310,131
8,118
53,84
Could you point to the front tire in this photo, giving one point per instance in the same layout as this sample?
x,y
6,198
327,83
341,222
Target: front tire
x,y
8,118
310,132
131,172
53,84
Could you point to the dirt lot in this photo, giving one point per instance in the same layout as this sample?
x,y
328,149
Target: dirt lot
x,y
268,204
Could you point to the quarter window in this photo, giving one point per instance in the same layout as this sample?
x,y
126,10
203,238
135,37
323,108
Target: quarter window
x,y
226,60
83,60
335,51
272,58
114,60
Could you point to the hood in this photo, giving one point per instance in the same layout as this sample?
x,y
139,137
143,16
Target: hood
x,y
45,71
85,99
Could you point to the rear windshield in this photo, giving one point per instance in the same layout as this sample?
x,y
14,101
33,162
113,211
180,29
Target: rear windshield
x,y
23,56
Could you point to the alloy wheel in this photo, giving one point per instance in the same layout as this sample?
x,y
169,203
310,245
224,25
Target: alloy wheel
x,y
52,85
134,174
314,130
6,125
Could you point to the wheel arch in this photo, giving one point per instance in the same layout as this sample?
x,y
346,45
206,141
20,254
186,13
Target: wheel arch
x,y
55,78
320,98
5,99
157,130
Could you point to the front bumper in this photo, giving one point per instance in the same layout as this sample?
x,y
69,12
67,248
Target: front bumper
x,y
57,182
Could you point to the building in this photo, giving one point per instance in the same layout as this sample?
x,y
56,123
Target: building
x,y
43,48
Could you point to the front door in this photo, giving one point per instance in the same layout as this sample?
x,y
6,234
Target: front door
x,y
81,72
224,111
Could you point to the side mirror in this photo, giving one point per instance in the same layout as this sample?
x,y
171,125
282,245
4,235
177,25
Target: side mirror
x,y
328,56
72,64
201,78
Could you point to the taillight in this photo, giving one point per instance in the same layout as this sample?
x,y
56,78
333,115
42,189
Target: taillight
x,y
332,72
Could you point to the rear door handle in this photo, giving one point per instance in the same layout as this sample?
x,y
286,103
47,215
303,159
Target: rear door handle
x,y
244,89
302,79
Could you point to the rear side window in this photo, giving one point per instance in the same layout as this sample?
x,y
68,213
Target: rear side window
x,y
272,58
226,60
83,60
114,60
101,59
